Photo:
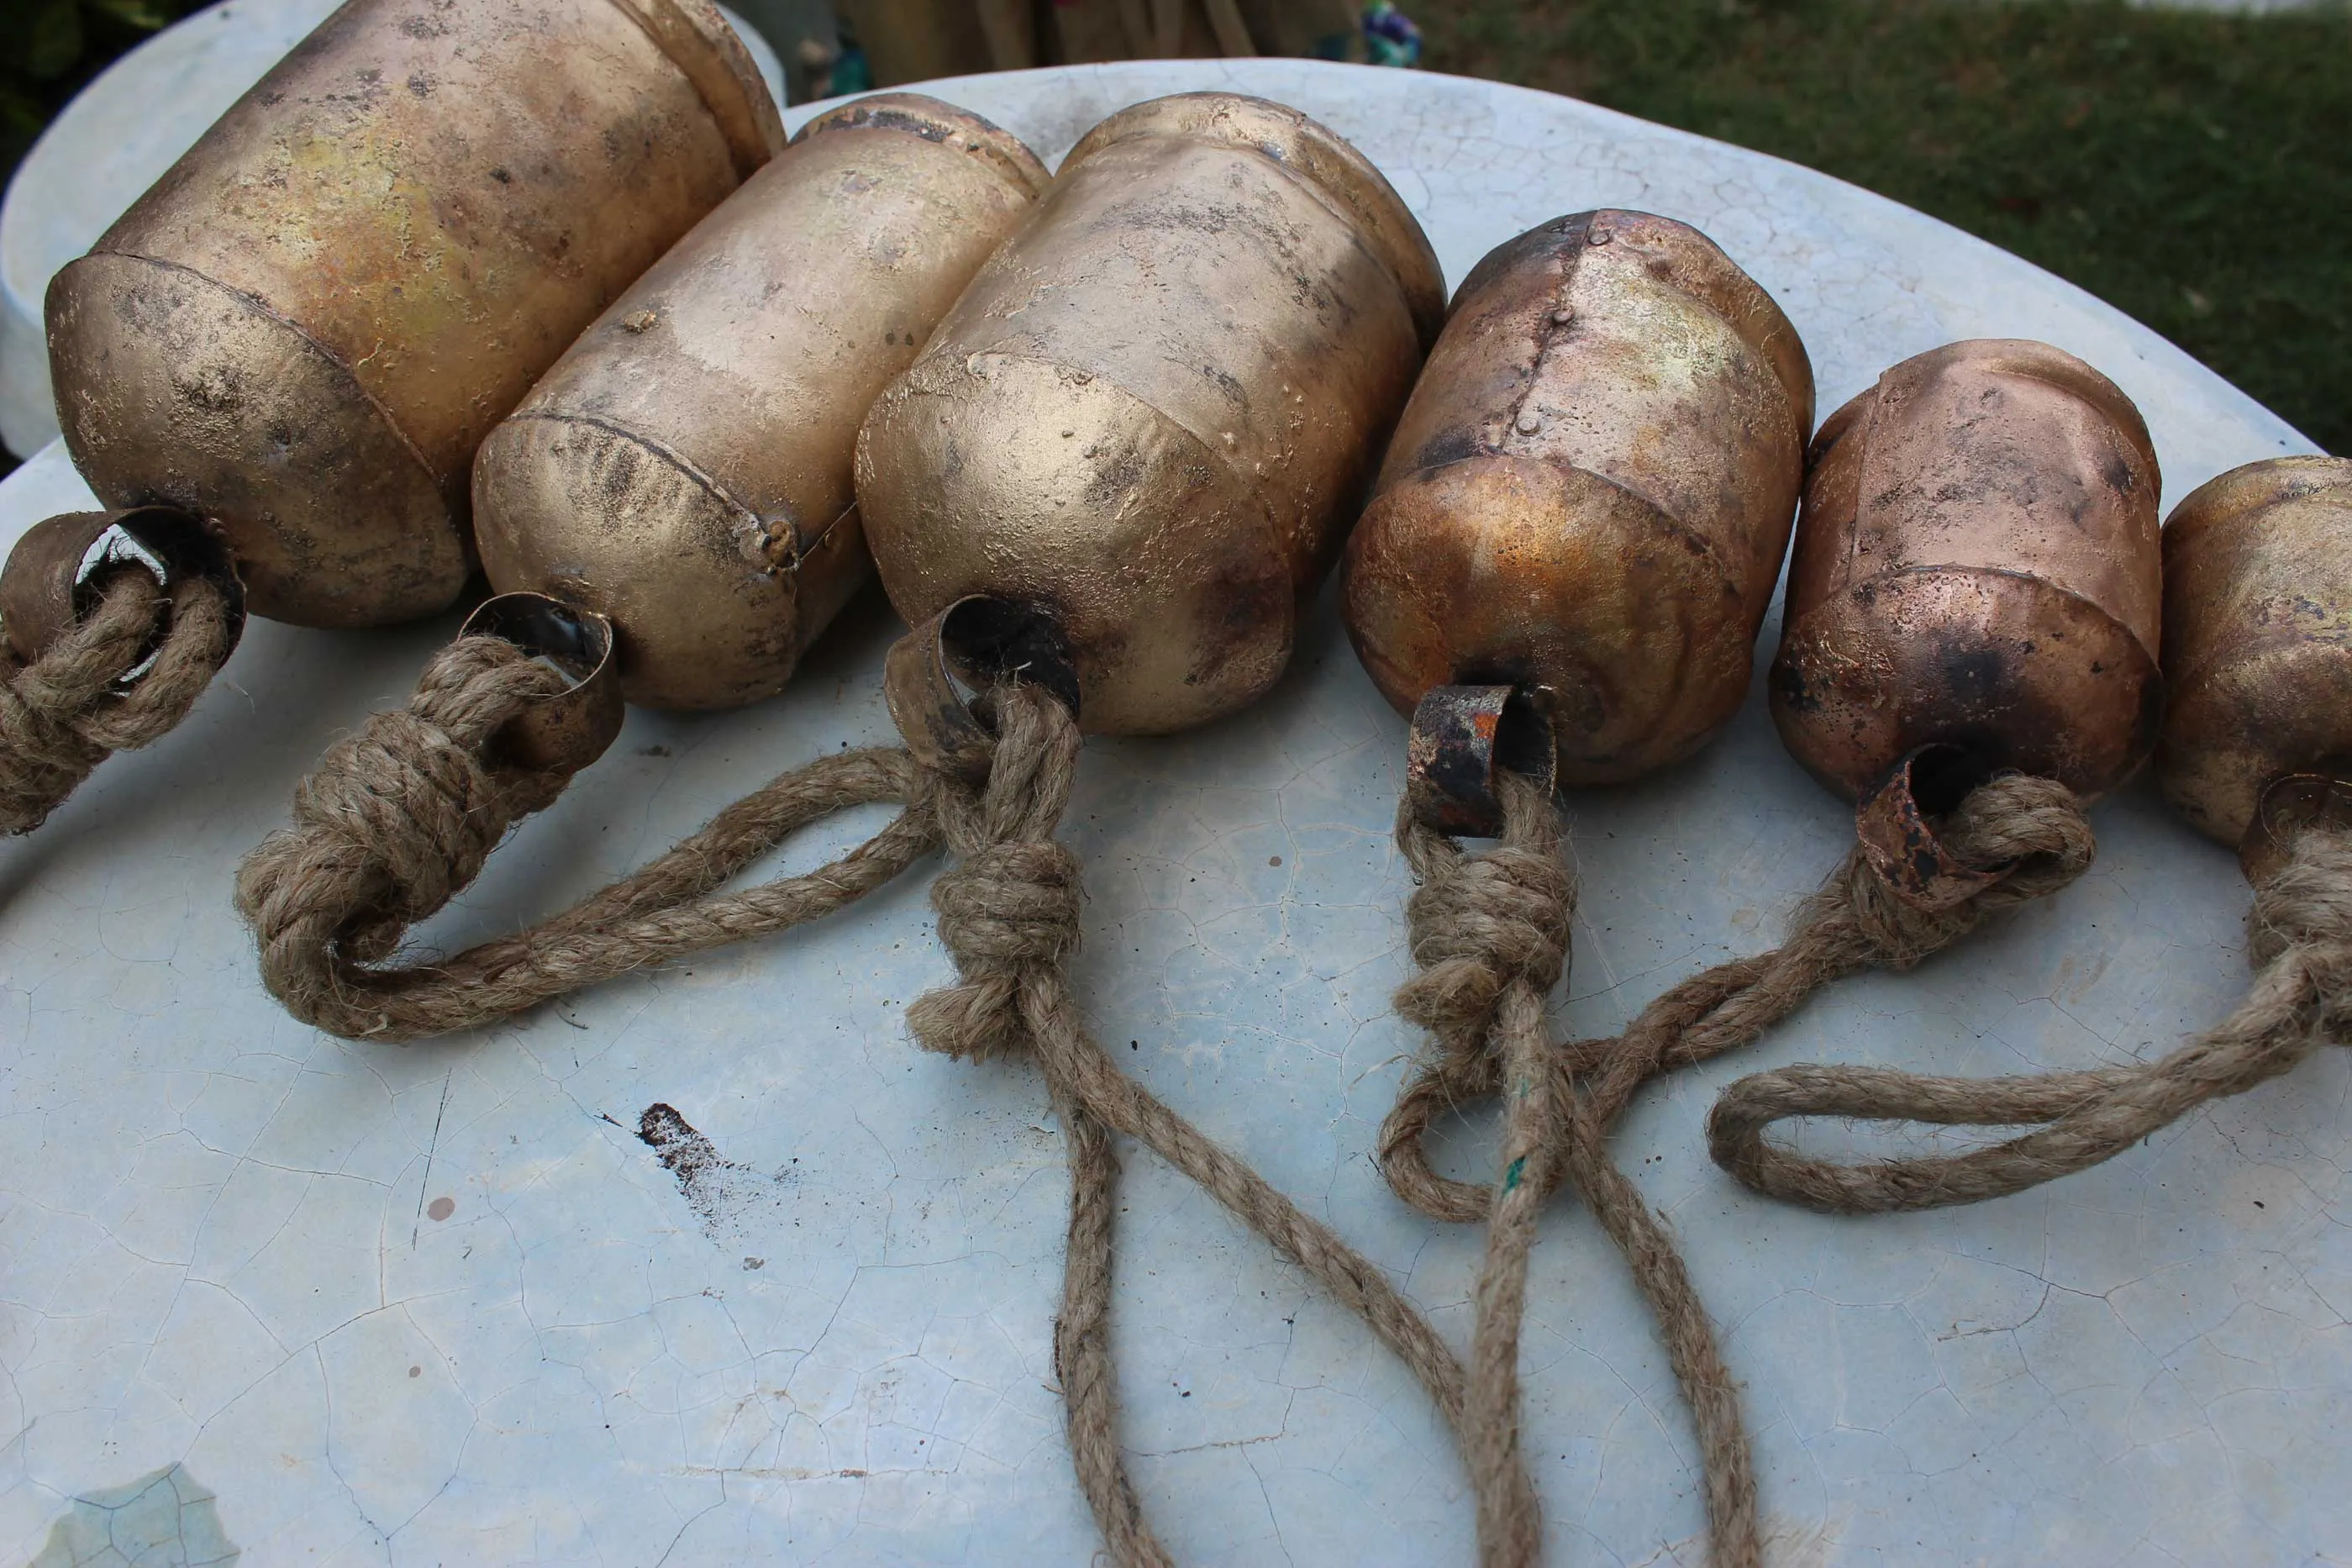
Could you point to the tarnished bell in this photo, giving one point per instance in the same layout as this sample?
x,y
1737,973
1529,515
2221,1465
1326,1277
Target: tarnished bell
x,y
1590,491
2258,648
304,330
686,467
1151,415
1976,568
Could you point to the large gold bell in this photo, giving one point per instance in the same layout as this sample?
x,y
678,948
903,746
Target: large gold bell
x,y
2258,650
1150,417
1975,571
1590,494
302,332
686,469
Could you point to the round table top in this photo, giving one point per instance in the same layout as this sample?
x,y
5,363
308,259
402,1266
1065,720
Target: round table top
x,y
326,1302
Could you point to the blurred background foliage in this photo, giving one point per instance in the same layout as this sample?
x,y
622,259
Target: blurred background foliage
x,y
54,46
2194,168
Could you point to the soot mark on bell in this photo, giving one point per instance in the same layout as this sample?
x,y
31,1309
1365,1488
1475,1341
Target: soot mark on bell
x,y
1177,218
1979,674
1793,688
218,391
1455,445
1115,479
1241,604
898,120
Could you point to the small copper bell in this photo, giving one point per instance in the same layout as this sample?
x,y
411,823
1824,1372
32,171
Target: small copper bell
x,y
302,332
1150,419
686,469
2258,653
1589,496
1976,573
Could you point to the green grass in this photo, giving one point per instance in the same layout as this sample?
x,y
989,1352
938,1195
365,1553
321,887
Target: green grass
x,y
2193,169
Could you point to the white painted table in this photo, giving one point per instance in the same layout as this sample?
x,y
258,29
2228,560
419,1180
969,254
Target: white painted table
x,y
343,1303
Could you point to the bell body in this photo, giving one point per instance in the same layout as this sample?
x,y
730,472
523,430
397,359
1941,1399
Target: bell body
x,y
2257,637
305,329
1976,567
1151,415
685,469
1590,494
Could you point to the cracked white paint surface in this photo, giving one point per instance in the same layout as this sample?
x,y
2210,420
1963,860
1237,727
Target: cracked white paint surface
x,y
440,1303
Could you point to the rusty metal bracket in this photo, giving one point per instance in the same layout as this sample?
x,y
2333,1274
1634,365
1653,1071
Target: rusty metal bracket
x,y
936,677
55,572
1462,739
566,731
2289,804
1892,823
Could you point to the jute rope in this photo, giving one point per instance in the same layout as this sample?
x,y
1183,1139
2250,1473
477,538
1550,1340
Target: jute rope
x,y
1490,932
2300,932
1009,915
1485,915
2032,826
65,712
396,819
400,818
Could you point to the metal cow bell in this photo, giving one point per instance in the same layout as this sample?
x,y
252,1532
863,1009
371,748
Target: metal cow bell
x,y
685,470
1587,501
2258,653
1150,419
302,332
1975,588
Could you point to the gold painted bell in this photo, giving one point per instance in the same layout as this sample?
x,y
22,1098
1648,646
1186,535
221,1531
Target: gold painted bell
x,y
1150,417
2258,652
1589,496
303,332
685,469
1975,571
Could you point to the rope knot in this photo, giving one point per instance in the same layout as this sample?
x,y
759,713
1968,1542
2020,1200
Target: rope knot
x,y
1011,905
1489,933
1477,923
393,822
69,709
2308,903
407,806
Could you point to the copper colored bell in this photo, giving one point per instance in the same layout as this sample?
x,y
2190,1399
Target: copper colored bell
x,y
1150,417
1590,494
2258,651
302,332
685,469
1976,573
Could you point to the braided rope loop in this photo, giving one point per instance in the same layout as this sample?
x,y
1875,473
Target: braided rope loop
x,y
396,820
77,702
